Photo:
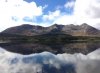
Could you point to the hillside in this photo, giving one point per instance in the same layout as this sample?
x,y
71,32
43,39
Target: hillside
x,y
71,29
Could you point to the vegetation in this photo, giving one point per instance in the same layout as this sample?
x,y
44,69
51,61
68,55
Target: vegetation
x,y
50,39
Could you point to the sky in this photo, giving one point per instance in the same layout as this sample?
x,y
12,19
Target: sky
x,y
49,12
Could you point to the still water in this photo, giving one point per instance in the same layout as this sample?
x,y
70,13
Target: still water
x,y
39,58
30,48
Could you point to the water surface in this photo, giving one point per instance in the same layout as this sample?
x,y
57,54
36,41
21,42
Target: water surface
x,y
39,58
29,48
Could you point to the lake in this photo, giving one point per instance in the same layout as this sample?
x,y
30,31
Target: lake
x,y
30,48
46,58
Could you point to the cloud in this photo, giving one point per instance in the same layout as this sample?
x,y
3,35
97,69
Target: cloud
x,y
69,4
85,11
20,8
88,11
51,16
65,19
12,12
16,12
87,8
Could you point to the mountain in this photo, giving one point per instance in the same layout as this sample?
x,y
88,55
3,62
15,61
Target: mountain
x,y
71,29
25,29
81,30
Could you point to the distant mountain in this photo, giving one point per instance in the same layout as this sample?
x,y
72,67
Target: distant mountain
x,y
71,29
25,29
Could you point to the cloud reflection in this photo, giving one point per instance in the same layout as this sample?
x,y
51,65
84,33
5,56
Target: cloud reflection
x,y
47,62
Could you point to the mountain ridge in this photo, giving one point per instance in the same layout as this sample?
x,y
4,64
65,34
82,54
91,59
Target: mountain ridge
x,y
71,29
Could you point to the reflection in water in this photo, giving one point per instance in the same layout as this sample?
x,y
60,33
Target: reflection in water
x,y
46,62
29,48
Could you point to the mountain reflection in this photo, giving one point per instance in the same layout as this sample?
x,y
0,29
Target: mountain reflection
x,y
29,48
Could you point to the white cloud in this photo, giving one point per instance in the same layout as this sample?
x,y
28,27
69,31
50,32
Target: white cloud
x,y
51,15
45,6
65,19
18,9
88,11
87,8
85,11
69,4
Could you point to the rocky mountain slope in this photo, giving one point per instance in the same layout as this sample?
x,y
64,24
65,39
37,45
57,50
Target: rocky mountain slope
x,y
71,29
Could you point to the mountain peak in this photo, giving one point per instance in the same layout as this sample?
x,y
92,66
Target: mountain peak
x,y
26,26
85,25
56,25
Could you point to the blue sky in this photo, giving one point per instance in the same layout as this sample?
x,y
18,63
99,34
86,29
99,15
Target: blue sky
x,y
50,6
49,12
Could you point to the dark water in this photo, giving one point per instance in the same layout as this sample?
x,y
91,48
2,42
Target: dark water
x,y
29,48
